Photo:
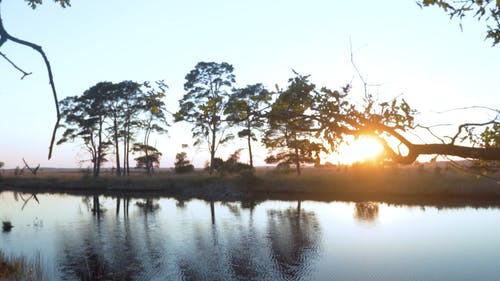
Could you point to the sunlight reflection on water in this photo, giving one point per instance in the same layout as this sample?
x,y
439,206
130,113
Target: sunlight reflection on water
x,y
167,239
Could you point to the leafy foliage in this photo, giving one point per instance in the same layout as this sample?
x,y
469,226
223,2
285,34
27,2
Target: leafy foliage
x,y
289,137
182,165
208,88
232,165
149,156
84,117
108,113
34,3
484,10
247,108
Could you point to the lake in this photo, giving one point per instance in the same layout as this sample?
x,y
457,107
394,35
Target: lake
x,y
169,239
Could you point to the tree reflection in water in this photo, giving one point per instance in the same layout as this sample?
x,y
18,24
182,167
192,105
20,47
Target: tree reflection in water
x,y
366,212
100,250
293,235
112,246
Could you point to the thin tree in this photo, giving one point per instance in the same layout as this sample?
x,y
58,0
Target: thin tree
x,y
154,119
84,118
208,88
247,108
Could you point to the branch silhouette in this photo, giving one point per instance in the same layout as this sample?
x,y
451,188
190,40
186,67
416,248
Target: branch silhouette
x,y
4,37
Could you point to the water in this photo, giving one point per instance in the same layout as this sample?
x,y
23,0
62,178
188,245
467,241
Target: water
x,y
166,239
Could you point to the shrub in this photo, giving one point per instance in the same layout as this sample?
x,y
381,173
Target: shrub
x,y
283,168
182,165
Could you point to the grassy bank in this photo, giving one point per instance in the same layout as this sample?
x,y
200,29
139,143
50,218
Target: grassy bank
x,y
20,268
314,184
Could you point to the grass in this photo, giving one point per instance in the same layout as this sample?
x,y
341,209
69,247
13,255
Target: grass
x,y
359,181
20,268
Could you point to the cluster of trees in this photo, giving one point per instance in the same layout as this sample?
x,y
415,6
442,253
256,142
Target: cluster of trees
x,y
295,123
108,118
301,121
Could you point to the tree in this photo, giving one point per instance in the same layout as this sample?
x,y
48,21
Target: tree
x,y
84,118
5,37
150,157
484,10
208,88
247,109
155,119
122,103
289,137
182,165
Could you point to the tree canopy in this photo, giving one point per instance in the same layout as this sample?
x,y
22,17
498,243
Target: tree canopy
x,y
208,87
109,113
289,136
248,108
487,11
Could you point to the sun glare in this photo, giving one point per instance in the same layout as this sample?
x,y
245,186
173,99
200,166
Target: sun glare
x,y
360,150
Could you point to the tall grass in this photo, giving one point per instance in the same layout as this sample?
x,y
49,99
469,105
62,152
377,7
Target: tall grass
x,y
14,268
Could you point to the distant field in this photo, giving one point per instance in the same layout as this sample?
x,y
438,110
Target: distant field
x,y
326,183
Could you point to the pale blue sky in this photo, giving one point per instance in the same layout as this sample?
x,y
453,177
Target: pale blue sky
x,y
416,52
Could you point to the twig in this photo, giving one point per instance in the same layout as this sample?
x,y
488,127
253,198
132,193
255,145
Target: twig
x,y
463,126
430,131
469,107
15,66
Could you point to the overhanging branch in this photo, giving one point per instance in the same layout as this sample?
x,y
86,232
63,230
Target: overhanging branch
x,y
4,37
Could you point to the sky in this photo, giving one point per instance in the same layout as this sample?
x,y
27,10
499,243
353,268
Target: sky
x,y
399,49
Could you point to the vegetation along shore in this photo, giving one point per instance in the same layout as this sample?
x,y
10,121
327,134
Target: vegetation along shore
x,y
415,183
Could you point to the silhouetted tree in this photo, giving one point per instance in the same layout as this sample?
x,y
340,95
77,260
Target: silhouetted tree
x,y
154,120
182,165
84,118
122,102
336,117
289,137
208,88
247,108
149,159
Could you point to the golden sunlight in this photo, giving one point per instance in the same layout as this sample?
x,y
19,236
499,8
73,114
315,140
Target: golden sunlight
x,y
362,149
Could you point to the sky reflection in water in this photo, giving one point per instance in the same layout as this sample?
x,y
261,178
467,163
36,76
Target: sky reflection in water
x,y
166,239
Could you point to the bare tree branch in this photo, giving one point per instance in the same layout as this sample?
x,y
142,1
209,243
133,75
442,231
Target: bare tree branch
x,y
15,66
4,37
33,171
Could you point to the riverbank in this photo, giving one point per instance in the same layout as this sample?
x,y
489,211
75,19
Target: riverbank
x,y
323,184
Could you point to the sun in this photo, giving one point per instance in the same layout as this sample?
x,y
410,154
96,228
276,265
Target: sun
x,y
356,150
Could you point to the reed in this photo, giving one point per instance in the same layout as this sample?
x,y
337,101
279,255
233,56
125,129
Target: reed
x,y
22,269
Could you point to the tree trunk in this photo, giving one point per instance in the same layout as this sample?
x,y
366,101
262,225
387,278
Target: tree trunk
x,y
117,148
99,149
125,155
297,161
249,140
212,151
128,150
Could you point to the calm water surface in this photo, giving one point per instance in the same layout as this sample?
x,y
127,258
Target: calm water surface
x,y
167,239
